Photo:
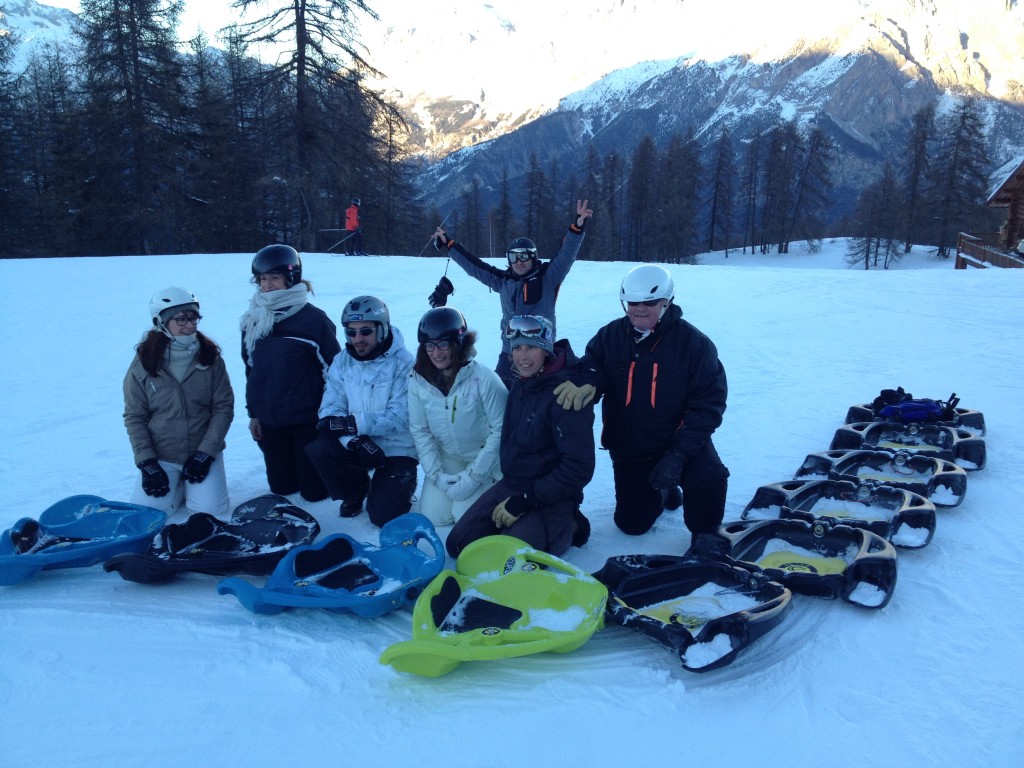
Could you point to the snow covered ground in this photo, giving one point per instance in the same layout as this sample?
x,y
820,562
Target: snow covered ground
x,y
98,671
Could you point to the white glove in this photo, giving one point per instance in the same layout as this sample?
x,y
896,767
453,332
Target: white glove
x,y
464,486
445,481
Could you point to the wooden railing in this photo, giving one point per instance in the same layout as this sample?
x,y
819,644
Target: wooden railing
x,y
979,250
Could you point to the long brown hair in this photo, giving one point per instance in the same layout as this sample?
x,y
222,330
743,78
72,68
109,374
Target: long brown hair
x,y
425,368
153,348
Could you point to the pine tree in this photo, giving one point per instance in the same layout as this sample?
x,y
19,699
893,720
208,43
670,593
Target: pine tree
x,y
133,91
722,189
641,200
915,175
958,188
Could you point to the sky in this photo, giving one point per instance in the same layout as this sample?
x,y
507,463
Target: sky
x,y
98,671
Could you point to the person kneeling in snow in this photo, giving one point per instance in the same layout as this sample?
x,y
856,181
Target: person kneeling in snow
x,y
547,453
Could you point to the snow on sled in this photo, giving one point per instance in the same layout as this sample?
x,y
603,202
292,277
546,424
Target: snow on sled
x,y
75,532
260,532
939,480
707,611
504,599
900,406
818,559
905,518
950,443
342,574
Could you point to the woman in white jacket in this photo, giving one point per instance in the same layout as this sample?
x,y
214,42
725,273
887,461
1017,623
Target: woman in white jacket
x,y
456,407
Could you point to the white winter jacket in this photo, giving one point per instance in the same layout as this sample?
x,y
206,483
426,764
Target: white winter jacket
x,y
376,392
465,424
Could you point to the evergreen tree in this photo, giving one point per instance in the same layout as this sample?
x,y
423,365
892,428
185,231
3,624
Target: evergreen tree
x,y
133,91
784,147
534,195
812,188
9,184
915,175
676,202
722,186
641,200
612,243
749,192
502,222
958,189
877,223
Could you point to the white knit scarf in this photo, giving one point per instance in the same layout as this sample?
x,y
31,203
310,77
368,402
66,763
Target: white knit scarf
x,y
268,308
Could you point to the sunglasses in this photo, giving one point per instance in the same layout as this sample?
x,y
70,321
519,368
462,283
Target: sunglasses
x,y
523,327
189,319
649,303
521,254
353,332
444,345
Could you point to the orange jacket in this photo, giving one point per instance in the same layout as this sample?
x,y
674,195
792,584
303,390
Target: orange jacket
x,y
352,217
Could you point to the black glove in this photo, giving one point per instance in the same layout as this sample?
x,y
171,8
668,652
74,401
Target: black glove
x,y
442,291
197,467
442,243
154,479
368,453
667,472
338,425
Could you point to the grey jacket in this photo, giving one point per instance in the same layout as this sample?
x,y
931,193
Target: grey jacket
x,y
532,294
169,420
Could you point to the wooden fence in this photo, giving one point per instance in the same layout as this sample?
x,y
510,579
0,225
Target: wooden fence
x,y
979,250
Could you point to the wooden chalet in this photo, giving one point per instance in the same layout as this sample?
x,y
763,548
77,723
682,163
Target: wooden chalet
x,y
1006,247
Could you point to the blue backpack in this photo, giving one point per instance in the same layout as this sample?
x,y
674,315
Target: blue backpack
x,y
899,405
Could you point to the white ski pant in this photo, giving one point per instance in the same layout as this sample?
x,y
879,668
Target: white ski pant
x,y
209,496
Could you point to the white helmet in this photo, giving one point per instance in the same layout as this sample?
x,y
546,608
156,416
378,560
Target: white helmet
x,y
646,283
169,298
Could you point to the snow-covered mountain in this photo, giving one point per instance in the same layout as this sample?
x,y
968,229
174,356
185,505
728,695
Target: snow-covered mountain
x,y
513,78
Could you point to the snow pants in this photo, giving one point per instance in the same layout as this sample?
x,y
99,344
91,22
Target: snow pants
x,y
289,469
434,502
704,481
549,529
388,493
210,496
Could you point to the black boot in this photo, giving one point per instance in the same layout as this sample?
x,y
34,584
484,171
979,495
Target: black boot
x,y
581,528
708,546
350,508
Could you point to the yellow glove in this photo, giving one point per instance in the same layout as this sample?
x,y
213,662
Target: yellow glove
x,y
502,517
571,397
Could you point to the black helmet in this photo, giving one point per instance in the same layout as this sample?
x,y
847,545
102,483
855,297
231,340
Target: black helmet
x,y
519,247
282,259
442,323
356,202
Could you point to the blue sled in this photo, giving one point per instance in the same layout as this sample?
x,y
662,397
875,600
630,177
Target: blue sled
x,y
75,532
342,574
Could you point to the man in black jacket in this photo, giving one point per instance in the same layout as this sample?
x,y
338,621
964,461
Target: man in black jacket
x,y
663,393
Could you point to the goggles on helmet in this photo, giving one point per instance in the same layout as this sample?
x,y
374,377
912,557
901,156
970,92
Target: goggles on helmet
x,y
521,254
525,327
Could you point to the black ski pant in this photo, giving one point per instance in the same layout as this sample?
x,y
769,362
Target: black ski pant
x,y
388,493
704,481
289,469
548,529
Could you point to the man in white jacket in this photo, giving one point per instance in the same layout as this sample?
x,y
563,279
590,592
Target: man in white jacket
x,y
364,418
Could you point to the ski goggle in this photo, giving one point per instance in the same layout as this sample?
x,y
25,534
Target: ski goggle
x,y
527,327
521,254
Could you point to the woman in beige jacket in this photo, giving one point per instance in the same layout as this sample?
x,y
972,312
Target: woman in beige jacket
x,y
178,405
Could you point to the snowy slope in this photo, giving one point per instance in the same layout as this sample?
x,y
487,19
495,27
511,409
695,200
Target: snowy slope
x,y
98,671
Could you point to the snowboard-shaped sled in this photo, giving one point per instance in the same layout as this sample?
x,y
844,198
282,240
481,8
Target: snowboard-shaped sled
x,y
706,611
342,574
904,518
939,480
944,442
504,599
75,532
260,532
819,559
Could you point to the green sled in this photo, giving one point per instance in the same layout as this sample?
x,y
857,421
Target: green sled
x,y
503,599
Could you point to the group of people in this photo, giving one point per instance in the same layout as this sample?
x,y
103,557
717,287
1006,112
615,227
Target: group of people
x,y
508,450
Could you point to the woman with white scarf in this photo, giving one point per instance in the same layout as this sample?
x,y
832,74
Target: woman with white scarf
x,y
287,345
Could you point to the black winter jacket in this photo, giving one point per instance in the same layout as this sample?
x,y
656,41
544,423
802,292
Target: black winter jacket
x,y
665,393
284,378
546,451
